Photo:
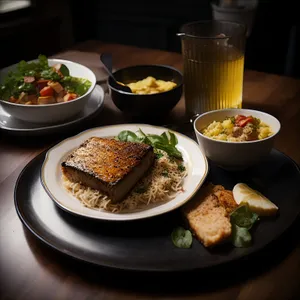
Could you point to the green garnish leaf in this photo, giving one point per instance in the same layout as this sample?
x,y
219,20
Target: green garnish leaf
x,y
81,89
26,88
256,123
4,92
43,61
158,155
142,134
30,73
143,137
165,138
76,85
160,142
232,119
171,150
50,74
64,70
41,64
165,173
173,139
181,168
128,136
22,66
182,238
242,220
241,236
243,217
155,138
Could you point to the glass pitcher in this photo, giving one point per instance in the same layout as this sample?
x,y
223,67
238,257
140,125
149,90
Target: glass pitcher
x,y
213,54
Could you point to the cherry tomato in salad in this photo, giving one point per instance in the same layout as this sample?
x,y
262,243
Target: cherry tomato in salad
x,y
244,122
239,118
46,91
70,96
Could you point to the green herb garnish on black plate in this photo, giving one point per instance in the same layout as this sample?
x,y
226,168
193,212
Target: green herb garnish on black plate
x,y
182,238
242,219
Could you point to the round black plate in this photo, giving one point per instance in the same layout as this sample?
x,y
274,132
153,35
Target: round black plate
x,y
146,245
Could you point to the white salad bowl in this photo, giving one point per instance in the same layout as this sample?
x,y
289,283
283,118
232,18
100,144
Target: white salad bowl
x,y
235,155
51,113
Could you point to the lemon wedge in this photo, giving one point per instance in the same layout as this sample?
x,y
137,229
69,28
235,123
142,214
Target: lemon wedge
x,y
257,202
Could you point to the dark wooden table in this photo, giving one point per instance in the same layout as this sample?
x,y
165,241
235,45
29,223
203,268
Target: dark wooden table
x,y
30,270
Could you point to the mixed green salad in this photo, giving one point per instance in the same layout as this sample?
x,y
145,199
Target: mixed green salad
x,y
34,83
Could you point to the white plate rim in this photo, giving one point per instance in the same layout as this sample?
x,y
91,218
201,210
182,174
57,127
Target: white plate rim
x,y
61,125
113,216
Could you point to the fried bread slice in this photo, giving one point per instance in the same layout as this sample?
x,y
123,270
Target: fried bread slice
x,y
208,214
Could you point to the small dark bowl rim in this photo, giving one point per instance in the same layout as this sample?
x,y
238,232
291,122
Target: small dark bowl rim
x,y
141,66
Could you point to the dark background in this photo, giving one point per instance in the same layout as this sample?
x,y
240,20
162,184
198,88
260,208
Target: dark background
x,y
49,26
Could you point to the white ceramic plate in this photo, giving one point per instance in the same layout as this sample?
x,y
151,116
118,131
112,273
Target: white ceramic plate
x,y
51,174
14,126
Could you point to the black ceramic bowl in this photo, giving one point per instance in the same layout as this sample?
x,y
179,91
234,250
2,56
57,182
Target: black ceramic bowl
x,y
153,104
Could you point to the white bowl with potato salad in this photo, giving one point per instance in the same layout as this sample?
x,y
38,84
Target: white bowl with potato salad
x,y
236,139
45,90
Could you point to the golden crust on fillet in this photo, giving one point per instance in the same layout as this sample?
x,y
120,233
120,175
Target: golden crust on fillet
x,y
108,160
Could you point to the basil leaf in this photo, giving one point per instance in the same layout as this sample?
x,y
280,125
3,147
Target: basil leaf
x,y
64,70
165,138
243,216
155,139
182,238
144,138
240,236
128,136
171,150
142,134
158,142
173,138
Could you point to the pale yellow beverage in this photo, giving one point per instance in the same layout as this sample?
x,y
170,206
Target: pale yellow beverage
x,y
213,66
215,81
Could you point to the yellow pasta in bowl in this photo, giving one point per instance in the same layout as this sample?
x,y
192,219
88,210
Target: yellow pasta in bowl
x,y
236,139
238,128
151,85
